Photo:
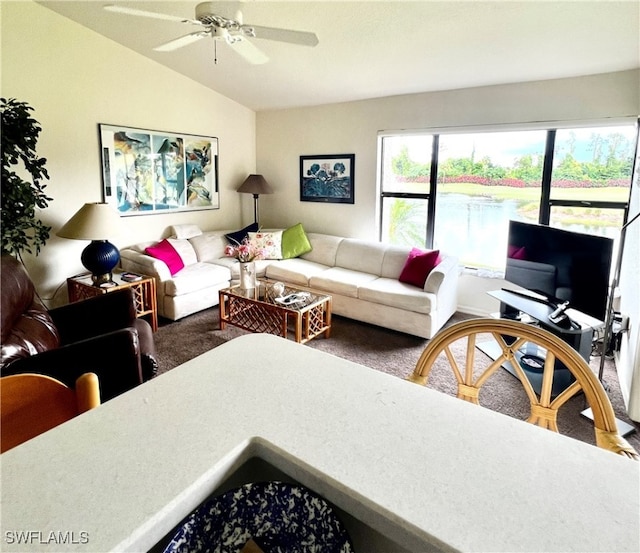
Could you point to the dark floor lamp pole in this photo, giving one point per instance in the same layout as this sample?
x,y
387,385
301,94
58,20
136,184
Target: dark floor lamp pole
x,y
255,207
623,427
256,185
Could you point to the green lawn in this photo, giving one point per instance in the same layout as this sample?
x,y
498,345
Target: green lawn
x,y
611,194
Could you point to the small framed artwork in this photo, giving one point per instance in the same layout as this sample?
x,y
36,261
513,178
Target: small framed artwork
x,y
327,178
148,172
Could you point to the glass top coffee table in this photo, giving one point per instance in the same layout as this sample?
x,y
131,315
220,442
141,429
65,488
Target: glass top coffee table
x,y
303,314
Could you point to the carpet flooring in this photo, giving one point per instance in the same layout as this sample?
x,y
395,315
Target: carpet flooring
x,y
394,353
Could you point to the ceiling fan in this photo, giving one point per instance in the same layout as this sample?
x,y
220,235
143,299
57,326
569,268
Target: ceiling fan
x,y
223,21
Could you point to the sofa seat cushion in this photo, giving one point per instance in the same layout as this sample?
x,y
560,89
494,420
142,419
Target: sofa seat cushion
x,y
196,277
295,271
343,282
391,292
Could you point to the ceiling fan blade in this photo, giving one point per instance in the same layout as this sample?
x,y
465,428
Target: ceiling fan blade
x,y
181,41
302,38
248,50
152,15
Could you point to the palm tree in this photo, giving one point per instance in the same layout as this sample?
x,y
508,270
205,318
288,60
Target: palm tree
x,y
406,223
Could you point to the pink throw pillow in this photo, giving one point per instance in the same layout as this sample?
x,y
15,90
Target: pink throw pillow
x,y
515,252
418,265
164,251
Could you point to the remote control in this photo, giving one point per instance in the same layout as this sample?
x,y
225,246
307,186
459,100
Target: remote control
x,y
558,313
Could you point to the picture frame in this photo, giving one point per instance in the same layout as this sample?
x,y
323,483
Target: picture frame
x,y
327,178
146,172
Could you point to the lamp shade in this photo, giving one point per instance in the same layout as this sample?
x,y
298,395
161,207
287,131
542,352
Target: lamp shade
x,y
255,184
93,221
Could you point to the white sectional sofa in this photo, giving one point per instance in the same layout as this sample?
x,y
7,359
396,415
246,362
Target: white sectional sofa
x,y
361,276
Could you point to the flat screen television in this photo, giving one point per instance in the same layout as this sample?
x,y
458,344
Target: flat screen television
x,y
561,265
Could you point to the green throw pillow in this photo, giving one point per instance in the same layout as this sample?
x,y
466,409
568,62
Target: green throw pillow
x,y
295,242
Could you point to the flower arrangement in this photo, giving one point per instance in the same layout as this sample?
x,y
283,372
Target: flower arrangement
x,y
244,251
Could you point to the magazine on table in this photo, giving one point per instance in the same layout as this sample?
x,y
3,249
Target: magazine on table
x,y
130,277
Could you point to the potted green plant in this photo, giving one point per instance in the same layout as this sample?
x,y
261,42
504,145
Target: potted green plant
x,y
21,230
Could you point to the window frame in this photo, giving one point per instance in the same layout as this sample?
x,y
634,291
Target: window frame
x,y
546,203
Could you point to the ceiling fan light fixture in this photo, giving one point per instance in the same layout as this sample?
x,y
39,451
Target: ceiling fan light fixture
x,y
222,14
223,21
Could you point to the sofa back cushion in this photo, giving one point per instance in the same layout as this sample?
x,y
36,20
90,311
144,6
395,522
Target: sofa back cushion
x,y
210,245
394,260
325,247
361,255
184,232
185,251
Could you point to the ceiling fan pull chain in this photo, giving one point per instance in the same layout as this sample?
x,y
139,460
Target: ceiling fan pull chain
x,y
215,52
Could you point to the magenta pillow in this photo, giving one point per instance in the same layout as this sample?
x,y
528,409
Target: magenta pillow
x,y
418,265
515,252
164,251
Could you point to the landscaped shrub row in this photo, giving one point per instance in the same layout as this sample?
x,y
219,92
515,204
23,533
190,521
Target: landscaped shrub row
x,y
518,183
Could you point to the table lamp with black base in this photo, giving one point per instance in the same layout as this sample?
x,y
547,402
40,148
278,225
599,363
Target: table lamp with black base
x,y
95,221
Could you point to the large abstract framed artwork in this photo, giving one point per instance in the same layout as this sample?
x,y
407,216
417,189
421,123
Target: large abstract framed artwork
x,y
146,172
327,178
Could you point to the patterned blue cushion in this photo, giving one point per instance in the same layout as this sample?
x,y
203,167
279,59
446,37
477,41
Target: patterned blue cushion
x,y
279,517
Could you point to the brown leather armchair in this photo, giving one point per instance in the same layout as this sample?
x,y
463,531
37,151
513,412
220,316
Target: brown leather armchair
x,y
100,335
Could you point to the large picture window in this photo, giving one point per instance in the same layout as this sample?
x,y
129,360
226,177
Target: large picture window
x,y
458,191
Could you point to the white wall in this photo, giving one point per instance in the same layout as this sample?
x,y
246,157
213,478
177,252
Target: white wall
x,y
75,79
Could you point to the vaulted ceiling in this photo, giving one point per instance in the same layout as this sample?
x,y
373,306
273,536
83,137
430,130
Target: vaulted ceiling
x,y
381,48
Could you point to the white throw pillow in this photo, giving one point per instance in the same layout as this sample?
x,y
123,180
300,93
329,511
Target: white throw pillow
x,y
185,251
270,242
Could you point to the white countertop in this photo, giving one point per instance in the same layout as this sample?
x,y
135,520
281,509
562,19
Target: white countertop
x,y
427,470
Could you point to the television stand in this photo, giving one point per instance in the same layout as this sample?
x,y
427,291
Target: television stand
x,y
578,336
536,309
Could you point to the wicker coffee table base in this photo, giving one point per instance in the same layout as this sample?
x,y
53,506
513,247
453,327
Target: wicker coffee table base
x,y
261,317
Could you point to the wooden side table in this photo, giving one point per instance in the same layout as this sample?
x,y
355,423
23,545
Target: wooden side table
x,y
144,291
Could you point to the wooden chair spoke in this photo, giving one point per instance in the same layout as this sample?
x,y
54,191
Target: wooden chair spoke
x,y
511,337
454,364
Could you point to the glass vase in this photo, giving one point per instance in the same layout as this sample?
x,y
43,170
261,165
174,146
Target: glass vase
x,y
247,275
